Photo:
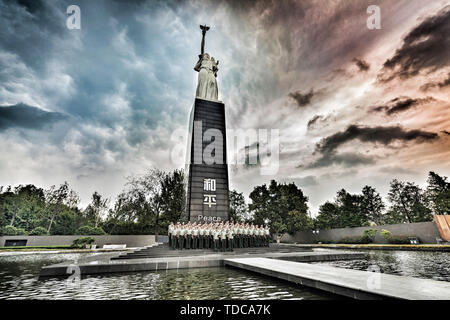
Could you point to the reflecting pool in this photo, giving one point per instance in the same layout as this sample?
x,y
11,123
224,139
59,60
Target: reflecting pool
x,y
19,280
419,264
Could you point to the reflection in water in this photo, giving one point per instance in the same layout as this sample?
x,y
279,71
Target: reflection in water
x,y
19,280
419,264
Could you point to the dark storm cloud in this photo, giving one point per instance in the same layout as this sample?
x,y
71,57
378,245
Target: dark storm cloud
x,y
303,99
30,28
384,135
361,64
318,121
344,159
313,120
398,105
27,117
115,48
425,48
307,181
442,84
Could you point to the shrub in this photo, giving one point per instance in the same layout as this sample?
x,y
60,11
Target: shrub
x,y
12,231
355,240
88,230
370,234
398,239
385,234
81,242
38,231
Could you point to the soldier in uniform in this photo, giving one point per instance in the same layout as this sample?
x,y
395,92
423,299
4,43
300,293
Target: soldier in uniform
x,y
244,235
207,236
189,236
261,236
251,233
211,240
180,235
240,235
169,233
247,235
201,232
258,236
176,242
195,237
262,232
215,234
230,237
174,237
223,238
267,234
235,235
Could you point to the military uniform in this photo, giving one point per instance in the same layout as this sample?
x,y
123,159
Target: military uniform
x,y
240,235
180,234
201,232
174,237
223,239
195,238
260,235
230,237
215,234
235,236
169,233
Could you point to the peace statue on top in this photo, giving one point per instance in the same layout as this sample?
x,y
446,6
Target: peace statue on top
x,y
207,69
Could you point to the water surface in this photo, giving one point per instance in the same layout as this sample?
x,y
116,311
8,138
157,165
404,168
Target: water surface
x,y
418,264
19,280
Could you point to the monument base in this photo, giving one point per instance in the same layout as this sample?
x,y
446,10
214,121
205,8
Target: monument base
x,y
207,197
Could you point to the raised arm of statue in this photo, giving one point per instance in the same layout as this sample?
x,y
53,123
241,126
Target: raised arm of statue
x,y
204,29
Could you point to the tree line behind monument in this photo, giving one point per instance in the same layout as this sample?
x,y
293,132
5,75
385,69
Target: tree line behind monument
x,y
149,203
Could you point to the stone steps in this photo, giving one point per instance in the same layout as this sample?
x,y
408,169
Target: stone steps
x,y
163,250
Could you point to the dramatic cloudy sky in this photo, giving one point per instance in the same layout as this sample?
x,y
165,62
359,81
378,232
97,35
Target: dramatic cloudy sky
x,y
354,106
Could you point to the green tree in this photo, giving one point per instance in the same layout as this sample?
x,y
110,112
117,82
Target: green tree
x,y
22,207
238,207
97,209
67,221
327,217
298,221
140,202
350,213
438,194
372,205
272,205
172,198
408,203
55,198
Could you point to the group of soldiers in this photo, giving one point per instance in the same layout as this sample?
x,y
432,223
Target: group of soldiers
x,y
219,236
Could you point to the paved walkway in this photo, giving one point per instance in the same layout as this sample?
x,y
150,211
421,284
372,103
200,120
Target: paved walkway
x,y
351,283
373,246
161,258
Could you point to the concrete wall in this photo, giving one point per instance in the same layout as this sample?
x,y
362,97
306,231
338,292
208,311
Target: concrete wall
x,y
130,240
426,231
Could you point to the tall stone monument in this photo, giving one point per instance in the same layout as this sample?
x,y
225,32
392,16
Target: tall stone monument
x,y
206,158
